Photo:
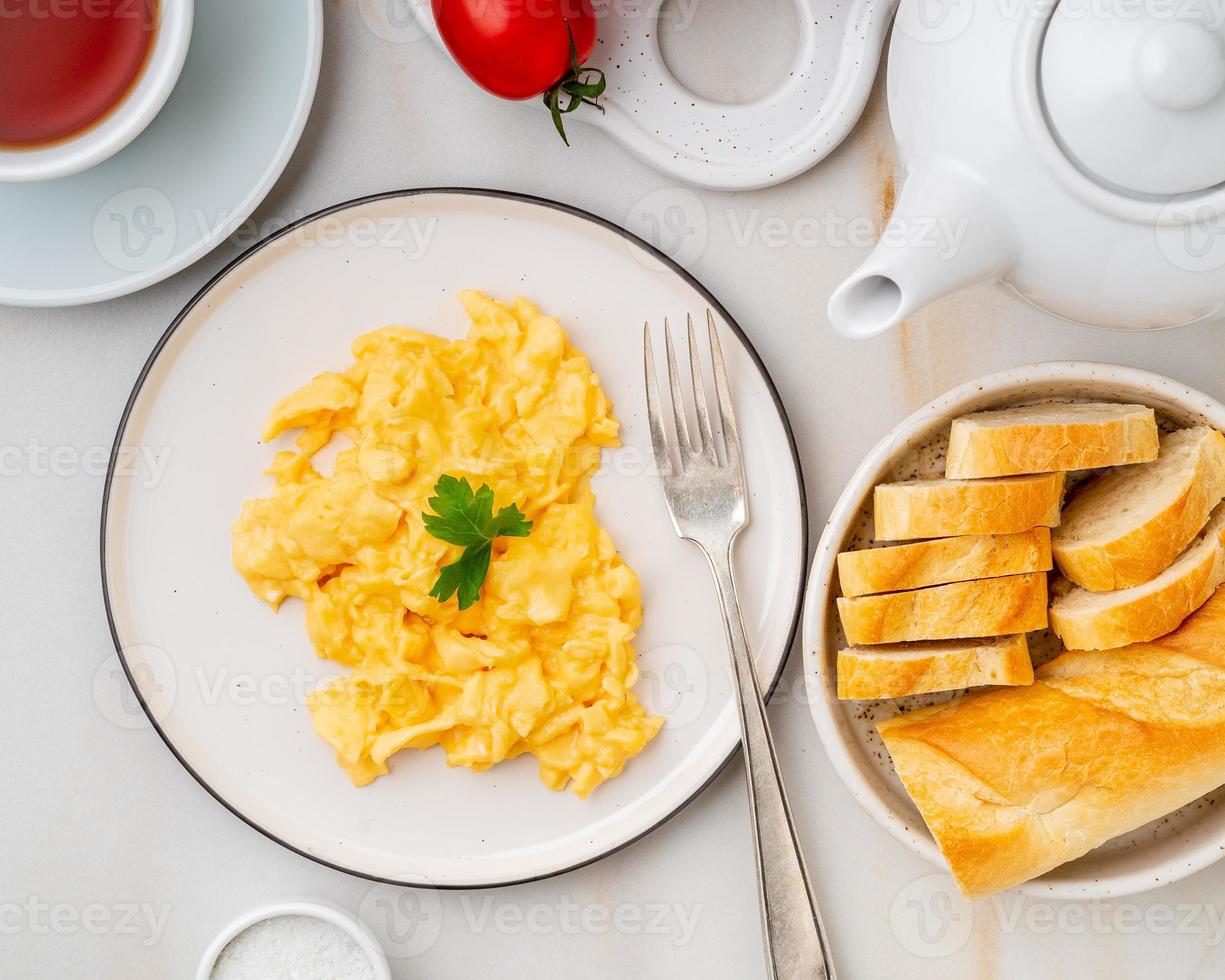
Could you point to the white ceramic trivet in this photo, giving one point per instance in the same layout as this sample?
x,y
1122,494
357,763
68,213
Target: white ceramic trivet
x,y
733,146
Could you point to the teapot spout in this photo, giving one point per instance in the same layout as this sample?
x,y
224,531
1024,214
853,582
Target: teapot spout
x,y
945,232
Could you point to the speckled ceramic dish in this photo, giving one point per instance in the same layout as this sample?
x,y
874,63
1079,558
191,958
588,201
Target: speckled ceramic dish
x,y
1158,853
732,146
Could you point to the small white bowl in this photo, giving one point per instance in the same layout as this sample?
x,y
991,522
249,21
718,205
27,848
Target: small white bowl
x,y
1157,854
317,910
127,120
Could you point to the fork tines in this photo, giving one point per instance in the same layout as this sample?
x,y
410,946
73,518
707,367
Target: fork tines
x,y
700,446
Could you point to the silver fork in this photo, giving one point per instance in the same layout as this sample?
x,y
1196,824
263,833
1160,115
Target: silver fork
x,y
706,498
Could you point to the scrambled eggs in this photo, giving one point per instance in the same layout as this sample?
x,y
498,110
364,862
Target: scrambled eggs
x,y
543,662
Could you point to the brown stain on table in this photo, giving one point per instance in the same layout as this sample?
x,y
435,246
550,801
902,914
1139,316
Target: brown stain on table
x,y
926,340
911,339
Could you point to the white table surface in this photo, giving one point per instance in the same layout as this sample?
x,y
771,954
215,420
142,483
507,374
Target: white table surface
x,y
114,863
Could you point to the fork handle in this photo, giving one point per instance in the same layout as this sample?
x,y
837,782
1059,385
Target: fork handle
x,y
796,947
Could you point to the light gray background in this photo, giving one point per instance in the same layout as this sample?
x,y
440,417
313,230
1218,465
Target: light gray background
x,y
99,825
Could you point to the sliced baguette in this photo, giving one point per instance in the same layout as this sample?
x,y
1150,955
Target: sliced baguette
x,y
1049,437
924,563
994,607
1104,620
894,671
945,508
1015,781
1128,526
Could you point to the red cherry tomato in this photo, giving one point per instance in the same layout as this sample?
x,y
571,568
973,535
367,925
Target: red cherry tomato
x,y
516,49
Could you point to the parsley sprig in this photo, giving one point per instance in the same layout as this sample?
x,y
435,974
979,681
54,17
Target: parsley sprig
x,y
465,518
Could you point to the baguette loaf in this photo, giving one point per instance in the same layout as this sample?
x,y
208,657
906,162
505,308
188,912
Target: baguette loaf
x,y
994,607
1128,526
943,508
1048,437
914,566
1103,620
1016,781
938,665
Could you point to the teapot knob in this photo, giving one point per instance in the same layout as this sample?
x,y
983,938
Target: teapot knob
x,y
1180,65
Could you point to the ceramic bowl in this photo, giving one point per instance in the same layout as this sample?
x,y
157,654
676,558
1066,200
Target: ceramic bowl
x,y
1157,854
127,120
319,910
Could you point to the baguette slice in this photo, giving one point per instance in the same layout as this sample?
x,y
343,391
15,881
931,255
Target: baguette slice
x,y
1049,437
1015,781
915,566
1128,526
944,508
1104,620
935,665
994,607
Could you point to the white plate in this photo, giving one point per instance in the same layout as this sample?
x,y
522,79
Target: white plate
x,y
1153,855
188,181
731,146
223,677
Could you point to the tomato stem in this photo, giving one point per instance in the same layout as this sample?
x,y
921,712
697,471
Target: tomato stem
x,y
580,86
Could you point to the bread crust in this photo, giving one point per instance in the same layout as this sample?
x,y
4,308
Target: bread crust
x,y
1013,782
991,607
944,665
1049,437
947,508
944,560
1145,547
1105,620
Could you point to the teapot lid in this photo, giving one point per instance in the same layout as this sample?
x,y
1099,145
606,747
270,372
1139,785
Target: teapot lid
x,y
1136,92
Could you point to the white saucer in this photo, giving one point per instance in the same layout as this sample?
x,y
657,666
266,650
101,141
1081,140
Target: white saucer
x,y
224,679
188,181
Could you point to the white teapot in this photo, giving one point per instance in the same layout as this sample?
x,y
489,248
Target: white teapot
x,y
1075,149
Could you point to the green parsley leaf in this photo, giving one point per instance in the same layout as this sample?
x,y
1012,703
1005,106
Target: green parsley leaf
x,y
465,518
